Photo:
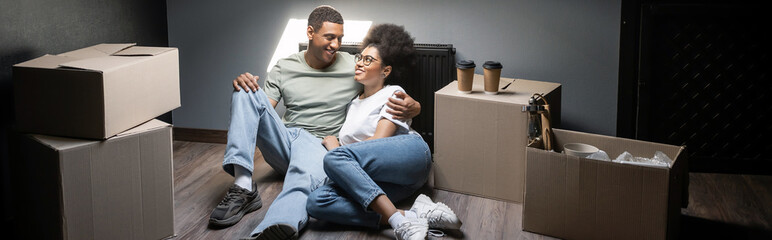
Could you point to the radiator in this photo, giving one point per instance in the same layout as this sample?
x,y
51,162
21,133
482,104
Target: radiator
x,y
436,68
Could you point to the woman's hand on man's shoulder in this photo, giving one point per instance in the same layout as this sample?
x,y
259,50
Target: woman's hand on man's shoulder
x,y
330,142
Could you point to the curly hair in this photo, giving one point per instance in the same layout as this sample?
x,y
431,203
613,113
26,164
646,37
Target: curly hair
x,y
321,14
396,49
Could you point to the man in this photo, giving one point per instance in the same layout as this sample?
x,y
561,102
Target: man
x,y
316,85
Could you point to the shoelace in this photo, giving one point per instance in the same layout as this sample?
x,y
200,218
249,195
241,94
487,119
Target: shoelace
x,y
435,220
436,233
231,195
407,230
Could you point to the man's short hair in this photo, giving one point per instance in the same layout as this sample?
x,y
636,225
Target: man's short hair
x,y
324,13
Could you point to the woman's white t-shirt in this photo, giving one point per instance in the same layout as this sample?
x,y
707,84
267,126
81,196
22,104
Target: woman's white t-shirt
x,y
363,116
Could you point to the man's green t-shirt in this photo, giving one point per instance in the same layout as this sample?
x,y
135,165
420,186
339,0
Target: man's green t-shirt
x,y
316,99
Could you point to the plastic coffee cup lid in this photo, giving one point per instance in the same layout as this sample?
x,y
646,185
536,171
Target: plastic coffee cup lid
x,y
492,65
465,64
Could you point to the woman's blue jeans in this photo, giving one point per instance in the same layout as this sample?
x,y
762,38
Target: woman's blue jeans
x,y
396,166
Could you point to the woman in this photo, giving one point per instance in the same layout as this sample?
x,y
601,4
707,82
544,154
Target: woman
x,y
381,159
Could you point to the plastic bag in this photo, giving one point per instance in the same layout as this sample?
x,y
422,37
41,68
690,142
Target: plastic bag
x,y
660,159
599,155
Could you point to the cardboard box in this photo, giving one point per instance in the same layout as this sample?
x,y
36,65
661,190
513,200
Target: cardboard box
x,y
480,139
119,188
95,92
579,198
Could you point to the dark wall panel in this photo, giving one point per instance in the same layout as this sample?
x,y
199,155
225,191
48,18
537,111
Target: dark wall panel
x,y
700,78
32,28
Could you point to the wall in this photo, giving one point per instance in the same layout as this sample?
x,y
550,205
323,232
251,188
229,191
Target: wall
x,y
32,28
575,43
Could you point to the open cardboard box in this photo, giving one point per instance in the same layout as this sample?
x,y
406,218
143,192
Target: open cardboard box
x,y
95,92
579,198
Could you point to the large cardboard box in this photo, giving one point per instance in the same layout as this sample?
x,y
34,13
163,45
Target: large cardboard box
x,y
579,198
479,141
95,92
119,188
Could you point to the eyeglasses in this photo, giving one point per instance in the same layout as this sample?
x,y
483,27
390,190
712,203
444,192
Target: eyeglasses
x,y
367,59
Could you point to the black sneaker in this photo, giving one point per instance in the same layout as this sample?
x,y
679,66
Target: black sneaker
x,y
276,232
237,202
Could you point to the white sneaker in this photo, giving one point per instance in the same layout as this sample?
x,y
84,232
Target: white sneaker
x,y
412,229
438,214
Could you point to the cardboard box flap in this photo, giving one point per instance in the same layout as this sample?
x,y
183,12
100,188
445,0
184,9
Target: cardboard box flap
x,y
111,48
61,143
532,86
147,126
48,61
615,146
512,96
99,50
101,64
518,92
142,51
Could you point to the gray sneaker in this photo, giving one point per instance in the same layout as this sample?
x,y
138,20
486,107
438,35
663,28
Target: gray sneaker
x,y
237,202
412,229
276,232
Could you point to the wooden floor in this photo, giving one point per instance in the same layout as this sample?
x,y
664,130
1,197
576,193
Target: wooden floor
x,y
721,206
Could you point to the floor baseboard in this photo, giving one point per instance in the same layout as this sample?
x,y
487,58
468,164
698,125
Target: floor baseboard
x,y
200,135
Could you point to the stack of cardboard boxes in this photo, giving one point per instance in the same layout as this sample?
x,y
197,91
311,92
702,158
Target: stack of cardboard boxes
x,y
94,163
481,149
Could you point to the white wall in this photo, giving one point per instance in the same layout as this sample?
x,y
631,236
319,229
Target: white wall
x,y
575,43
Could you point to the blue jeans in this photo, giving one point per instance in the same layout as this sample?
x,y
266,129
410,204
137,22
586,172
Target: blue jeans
x,y
291,151
396,166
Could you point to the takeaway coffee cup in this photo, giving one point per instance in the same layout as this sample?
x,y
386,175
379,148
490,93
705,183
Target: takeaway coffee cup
x,y
465,74
492,73
579,149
